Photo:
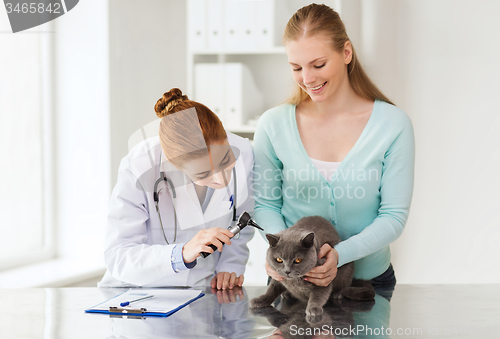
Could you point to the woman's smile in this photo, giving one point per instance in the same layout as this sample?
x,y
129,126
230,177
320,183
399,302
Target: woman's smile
x,y
317,89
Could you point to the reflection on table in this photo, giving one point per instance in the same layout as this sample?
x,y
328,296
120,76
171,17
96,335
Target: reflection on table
x,y
340,318
420,311
219,314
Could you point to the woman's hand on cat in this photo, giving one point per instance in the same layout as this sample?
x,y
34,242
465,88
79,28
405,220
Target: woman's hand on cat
x,y
324,274
272,273
224,280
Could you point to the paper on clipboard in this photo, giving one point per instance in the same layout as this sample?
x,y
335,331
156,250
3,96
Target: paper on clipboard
x,y
164,303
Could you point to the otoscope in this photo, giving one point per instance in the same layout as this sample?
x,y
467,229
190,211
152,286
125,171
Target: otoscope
x,y
243,222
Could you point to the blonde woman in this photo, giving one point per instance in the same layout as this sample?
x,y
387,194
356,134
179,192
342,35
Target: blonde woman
x,y
339,149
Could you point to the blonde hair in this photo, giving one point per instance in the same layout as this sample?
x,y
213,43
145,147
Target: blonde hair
x,y
190,133
317,19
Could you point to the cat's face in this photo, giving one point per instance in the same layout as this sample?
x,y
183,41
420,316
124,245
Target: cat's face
x,y
292,255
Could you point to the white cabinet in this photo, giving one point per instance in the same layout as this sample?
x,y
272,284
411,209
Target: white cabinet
x,y
236,64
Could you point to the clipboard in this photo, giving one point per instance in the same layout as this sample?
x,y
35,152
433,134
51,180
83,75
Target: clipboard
x,y
164,303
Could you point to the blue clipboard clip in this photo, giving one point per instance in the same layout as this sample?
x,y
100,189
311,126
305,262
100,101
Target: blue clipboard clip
x,y
127,313
127,310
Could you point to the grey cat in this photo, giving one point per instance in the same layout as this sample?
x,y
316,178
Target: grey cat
x,y
293,253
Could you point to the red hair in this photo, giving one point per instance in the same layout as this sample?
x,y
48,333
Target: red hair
x,y
189,134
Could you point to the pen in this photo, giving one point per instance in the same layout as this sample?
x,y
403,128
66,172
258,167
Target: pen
x,y
126,303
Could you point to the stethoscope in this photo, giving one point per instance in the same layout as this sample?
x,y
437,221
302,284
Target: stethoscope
x,y
156,198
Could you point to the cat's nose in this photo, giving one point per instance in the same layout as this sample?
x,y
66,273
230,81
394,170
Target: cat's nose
x,y
287,272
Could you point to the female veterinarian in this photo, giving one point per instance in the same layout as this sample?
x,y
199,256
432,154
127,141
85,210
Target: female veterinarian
x,y
175,195
338,148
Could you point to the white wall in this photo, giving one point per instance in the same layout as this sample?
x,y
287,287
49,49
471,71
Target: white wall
x,y
147,42
438,61
82,131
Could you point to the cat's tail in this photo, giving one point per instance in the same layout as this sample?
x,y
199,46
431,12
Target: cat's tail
x,y
360,290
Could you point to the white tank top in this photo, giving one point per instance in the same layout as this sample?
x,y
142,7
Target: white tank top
x,y
326,168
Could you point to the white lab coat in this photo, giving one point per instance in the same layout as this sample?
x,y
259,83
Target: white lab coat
x,y
136,253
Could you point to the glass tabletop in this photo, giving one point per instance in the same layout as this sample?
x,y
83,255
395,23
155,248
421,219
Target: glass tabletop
x,y
415,311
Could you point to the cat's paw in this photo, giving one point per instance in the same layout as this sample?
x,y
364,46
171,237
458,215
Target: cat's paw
x,y
314,314
314,310
259,303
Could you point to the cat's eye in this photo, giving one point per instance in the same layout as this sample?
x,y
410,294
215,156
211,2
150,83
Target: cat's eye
x,y
279,260
297,260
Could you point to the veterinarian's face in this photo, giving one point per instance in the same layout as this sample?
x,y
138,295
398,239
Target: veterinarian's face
x,y
316,67
214,169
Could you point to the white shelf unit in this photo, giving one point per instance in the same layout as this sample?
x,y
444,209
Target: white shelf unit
x,y
261,63
268,66
274,50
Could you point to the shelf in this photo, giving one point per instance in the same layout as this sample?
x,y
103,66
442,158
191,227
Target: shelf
x,y
274,50
242,129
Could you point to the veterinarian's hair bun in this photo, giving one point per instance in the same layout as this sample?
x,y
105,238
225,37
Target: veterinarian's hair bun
x,y
165,105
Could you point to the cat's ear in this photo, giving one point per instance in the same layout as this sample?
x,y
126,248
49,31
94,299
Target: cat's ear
x,y
273,239
308,240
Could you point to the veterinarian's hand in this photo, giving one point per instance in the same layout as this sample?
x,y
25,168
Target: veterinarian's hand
x,y
324,274
229,296
202,239
224,280
272,273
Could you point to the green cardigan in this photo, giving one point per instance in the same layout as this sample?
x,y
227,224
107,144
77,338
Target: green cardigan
x,y
368,198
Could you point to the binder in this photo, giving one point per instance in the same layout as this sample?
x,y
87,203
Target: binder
x,y
264,24
247,22
164,302
197,25
209,87
233,15
229,90
215,25
233,80
243,99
